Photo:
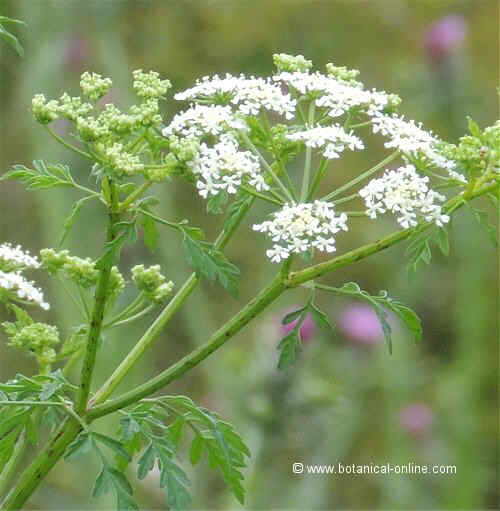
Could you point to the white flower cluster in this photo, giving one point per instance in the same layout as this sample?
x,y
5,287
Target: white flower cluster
x,y
406,194
334,139
336,95
15,258
225,167
249,94
13,285
201,120
410,138
297,228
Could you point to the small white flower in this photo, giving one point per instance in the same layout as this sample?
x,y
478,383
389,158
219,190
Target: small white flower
x,y
406,194
249,95
410,138
297,228
334,140
225,167
15,286
15,258
337,96
201,120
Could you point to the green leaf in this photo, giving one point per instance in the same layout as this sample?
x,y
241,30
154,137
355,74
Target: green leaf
x,y
11,39
443,241
196,449
474,128
150,233
111,479
292,316
175,430
289,348
146,461
7,444
320,318
42,176
114,445
113,247
409,318
211,263
13,418
103,483
80,446
223,445
234,212
70,221
175,481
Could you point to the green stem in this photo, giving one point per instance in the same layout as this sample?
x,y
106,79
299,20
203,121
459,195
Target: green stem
x,y
262,196
264,298
41,465
234,325
346,199
96,321
138,315
362,176
130,308
267,166
307,164
10,467
318,176
134,196
163,318
68,145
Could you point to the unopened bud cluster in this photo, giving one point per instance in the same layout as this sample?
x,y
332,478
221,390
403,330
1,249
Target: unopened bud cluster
x,y
37,338
82,272
105,127
152,283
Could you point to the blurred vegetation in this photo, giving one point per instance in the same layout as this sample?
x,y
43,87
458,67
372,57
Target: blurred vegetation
x,y
344,402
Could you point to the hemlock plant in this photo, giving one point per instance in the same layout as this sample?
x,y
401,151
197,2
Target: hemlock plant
x,y
237,142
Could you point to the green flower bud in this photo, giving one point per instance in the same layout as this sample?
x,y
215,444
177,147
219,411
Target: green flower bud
x,y
116,282
146,114
120,162
149,85
81,271
44,111
53,261
36,338
291,63
342,73
151,282
91,129
94,86
73,107
117,121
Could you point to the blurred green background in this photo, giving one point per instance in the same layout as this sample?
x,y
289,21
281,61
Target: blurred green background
x,y
348,401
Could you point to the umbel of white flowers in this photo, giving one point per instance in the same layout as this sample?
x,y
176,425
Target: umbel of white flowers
x,y
224,110
14,286
244,132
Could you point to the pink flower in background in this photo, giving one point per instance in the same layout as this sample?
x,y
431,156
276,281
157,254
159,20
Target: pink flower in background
x,y
444,36
307,329
416,418
359,323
